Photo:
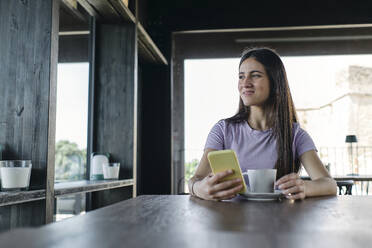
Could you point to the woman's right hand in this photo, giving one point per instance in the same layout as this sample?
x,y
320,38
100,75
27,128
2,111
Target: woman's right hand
x,y
212,188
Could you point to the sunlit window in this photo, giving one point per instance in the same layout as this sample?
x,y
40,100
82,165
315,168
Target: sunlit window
x,y
332,94
71,126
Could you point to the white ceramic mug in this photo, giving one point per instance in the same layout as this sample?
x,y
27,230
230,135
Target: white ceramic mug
x,y
261,180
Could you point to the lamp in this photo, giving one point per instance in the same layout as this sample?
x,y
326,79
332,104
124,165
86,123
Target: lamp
x,y
351,139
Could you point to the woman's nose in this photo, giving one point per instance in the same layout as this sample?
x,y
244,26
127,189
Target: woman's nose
x,y
247,82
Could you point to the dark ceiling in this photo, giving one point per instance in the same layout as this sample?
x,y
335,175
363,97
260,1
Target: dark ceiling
x,y
162,17
176,15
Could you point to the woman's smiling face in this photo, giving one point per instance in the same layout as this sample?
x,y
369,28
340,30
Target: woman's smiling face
x,y
254,83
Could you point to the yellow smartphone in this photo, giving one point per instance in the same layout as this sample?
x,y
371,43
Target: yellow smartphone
x,y
225,160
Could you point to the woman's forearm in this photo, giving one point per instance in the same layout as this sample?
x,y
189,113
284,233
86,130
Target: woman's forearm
x,y
320,187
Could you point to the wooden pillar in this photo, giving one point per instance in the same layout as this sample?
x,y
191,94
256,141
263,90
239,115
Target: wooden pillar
x,y
154,171
178,117
114,126
28,75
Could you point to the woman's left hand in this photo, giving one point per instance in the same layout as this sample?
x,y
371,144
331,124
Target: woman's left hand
x,y
292,185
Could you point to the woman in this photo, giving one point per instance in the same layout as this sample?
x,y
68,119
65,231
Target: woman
x,y
264,134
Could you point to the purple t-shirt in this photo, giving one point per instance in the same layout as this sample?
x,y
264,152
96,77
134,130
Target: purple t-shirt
x,y
254,149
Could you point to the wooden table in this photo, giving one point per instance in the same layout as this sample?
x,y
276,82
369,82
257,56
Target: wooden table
x,y
184,221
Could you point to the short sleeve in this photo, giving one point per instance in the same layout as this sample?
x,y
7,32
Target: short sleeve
x,y
215,139
303,142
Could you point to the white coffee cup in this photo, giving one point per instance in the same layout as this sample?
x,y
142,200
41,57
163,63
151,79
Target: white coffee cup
x,y
261,180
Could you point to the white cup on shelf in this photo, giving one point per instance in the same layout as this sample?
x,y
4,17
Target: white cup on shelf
x,y
111,170
15,174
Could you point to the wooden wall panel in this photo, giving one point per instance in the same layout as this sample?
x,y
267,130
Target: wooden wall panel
x,y
27,81
21,215
114,94
178,119
107,197
154,170
114,124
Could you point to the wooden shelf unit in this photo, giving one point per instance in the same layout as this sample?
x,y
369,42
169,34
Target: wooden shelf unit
x,y
116,11
62,189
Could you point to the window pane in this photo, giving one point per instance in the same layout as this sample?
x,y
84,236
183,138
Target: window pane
x,y
211,94
71,125
68,206
332,95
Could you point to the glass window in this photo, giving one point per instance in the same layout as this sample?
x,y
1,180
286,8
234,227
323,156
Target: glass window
x,y
69,206
332,95
71,125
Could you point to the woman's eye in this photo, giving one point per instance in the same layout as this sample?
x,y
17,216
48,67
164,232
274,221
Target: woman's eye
x,y
256,75
241,77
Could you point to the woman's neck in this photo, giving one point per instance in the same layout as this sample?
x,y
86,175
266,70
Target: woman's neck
x,y
257,118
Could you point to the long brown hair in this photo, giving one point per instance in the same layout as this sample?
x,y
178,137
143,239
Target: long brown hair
x,y
279,108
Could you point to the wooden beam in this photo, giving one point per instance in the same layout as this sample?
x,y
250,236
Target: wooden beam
x,y
49,196
178,118
105,10
89,8
72,6
148,48
123,10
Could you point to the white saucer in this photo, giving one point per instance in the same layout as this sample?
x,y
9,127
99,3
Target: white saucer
x,y
262,196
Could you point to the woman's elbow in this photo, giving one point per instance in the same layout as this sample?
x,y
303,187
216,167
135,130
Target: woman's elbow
x,y
333,186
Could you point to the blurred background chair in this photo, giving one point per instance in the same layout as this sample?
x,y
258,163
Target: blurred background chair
x,y
345,187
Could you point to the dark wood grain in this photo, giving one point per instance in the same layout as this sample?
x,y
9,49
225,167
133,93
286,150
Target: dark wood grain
x,y
89,8
154,114
11,198
22,215
115,96
92,57
28,62
114,102
67,188
104,9
230,44
52,108
148,48
178,118
72,8
123,10
183,221
62,189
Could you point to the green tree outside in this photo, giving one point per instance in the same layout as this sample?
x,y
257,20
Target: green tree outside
x,y
190,168
70,161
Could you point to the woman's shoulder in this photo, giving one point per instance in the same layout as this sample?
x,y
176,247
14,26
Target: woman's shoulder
x,y
225,125
297,129
228,124
302,140
300,134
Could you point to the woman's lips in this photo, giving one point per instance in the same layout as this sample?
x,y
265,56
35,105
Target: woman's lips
x,y
248,93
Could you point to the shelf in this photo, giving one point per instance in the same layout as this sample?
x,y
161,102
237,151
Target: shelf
x,y
112,10
123,10
67,188
115,10
10,198
147,49
61,189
